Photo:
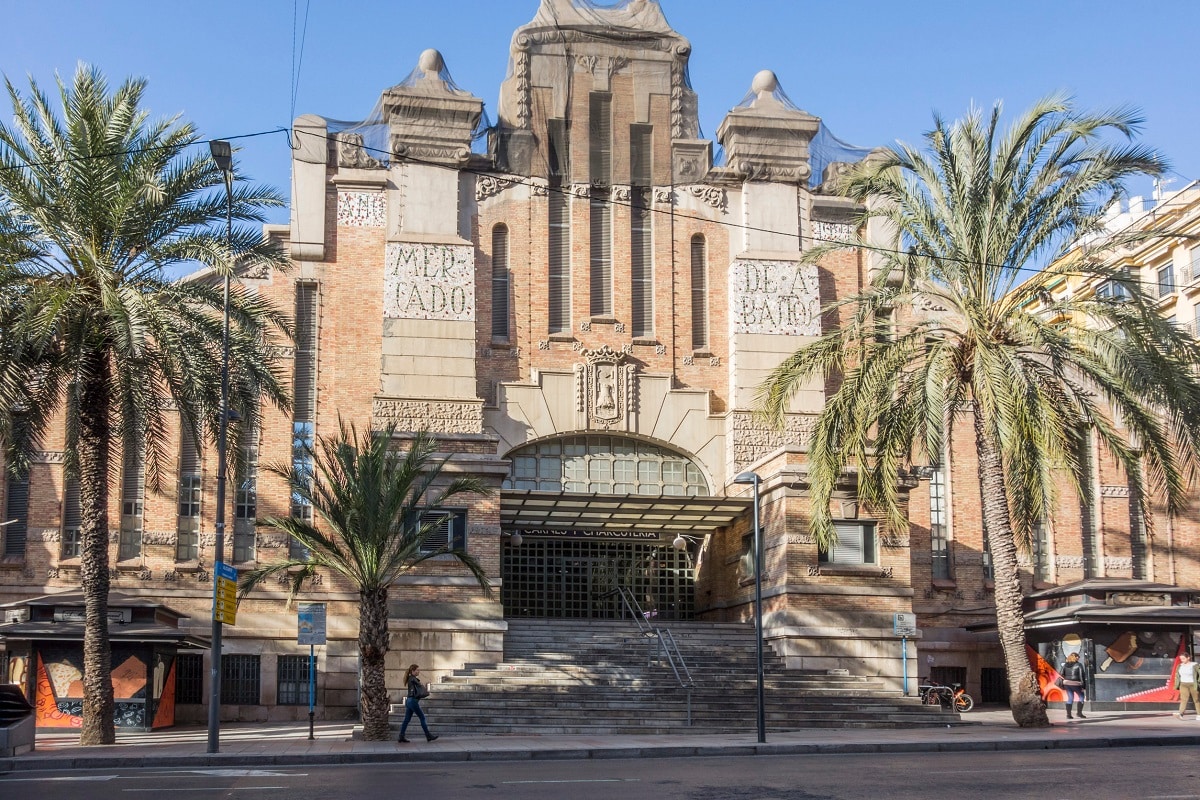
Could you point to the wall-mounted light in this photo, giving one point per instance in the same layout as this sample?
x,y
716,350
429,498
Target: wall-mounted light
x,y
515,538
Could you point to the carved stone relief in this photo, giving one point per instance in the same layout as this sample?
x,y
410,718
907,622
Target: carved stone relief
x,y
490,185
831,232
604,388
429,281
351,153
750,440
775,297
415,415
1114,491
663,194
709,195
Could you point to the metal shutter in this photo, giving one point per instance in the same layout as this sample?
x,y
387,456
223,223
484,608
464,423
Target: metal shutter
x,y
560,262
16,513
699,293
500,310
850,547
305,382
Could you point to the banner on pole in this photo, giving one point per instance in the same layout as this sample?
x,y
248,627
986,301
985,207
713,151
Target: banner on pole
x,y
225,594
310,623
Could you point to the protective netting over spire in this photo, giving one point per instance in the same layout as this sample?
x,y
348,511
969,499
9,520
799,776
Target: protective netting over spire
x,y
431,77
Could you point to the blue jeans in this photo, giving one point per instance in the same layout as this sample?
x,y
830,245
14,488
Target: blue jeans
x,y
413,706
1073,694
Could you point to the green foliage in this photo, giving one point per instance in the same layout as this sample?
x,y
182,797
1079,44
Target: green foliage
x,y
369,499
971,213
97,202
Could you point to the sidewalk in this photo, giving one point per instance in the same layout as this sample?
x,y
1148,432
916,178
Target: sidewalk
x,y
287,744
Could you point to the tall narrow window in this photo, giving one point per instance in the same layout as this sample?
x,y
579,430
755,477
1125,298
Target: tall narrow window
x,y
1194,258
938,535
1166,280
699,293
305,402
989,569
559,250
641,239
1087,511
1041,552
245,503
133,500
72,518
600,173
187,529
500,288
16,514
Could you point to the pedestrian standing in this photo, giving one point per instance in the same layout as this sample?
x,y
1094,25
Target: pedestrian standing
x,y
412,703
1185,682
1071,681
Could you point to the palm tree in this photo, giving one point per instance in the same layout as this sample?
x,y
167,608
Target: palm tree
x,y
369,499
96,203
972,215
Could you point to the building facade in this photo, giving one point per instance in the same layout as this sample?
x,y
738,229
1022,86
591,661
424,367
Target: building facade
x,y
581,314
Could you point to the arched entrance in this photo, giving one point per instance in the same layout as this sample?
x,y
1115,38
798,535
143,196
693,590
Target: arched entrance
x,y
595,512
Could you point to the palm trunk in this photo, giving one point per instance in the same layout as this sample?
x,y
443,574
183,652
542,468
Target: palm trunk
x,y
1025,698
98,726
372,650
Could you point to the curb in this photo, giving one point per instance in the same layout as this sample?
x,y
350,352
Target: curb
x,y
51,763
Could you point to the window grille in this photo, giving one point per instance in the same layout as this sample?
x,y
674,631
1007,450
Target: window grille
x,y
133,498
600,138
855,544
641,244
239,680
500,279
72,519
699,293
16,509
292,681
187,531
559,255
189,679
245,504
938,534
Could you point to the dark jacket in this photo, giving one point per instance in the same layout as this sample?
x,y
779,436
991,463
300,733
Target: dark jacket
x,y
414,687
1072,671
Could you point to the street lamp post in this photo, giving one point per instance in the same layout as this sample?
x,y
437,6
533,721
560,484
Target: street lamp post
x,y
753,479
222,154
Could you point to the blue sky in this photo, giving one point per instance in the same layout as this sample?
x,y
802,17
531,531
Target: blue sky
x,y
873,70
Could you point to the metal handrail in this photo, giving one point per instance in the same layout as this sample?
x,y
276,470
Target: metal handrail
x,y
666,644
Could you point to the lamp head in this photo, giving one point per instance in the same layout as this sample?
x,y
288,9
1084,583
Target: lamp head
x,y
747,477
516,538
680,543
222,153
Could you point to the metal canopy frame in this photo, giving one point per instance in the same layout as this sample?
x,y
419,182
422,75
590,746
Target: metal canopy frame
x,y
533,510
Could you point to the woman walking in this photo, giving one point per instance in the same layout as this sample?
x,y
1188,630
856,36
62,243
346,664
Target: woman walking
x,y
412,704
1071,681
1185,682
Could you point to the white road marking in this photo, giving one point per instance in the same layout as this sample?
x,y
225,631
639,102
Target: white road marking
x,y
71,778
1003,769
240,773
596,780
209,789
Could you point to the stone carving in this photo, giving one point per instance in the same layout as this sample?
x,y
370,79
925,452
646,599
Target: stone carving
x,y
271,541
619,327
48,457
429,281
361,209
825,233
775,297
43,535
893,540
203,575
171,577
521,72
1117,563
52,573
801,538
1061,562
622,194
585,326
351,152
689,361
255,272
924,302
490,185
144,575
1114,491
709,195
540,186
603,388
831,177
283,352
159,538
814,571
750,440
660,349
448,153
580,190
714,361
663,194
416,415
544,344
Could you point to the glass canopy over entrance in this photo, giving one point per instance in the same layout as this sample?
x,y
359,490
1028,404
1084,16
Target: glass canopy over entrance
x,y
587,514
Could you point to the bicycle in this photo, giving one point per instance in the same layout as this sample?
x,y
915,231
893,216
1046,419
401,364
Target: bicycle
x,y
953,696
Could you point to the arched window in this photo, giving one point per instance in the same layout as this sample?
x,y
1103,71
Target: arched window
x,y
500,288
699,293
604,465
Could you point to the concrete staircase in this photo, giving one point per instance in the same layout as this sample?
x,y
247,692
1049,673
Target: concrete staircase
x,y
562,676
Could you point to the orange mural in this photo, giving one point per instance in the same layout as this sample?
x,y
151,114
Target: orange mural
x,y
1047,676
46,712
164,716
129,678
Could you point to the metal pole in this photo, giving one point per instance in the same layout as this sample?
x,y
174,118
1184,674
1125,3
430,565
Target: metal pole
x,y
904,656
214,700
758,623
312,687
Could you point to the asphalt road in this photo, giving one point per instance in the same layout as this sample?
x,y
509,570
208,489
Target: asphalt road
x,y
1144,773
